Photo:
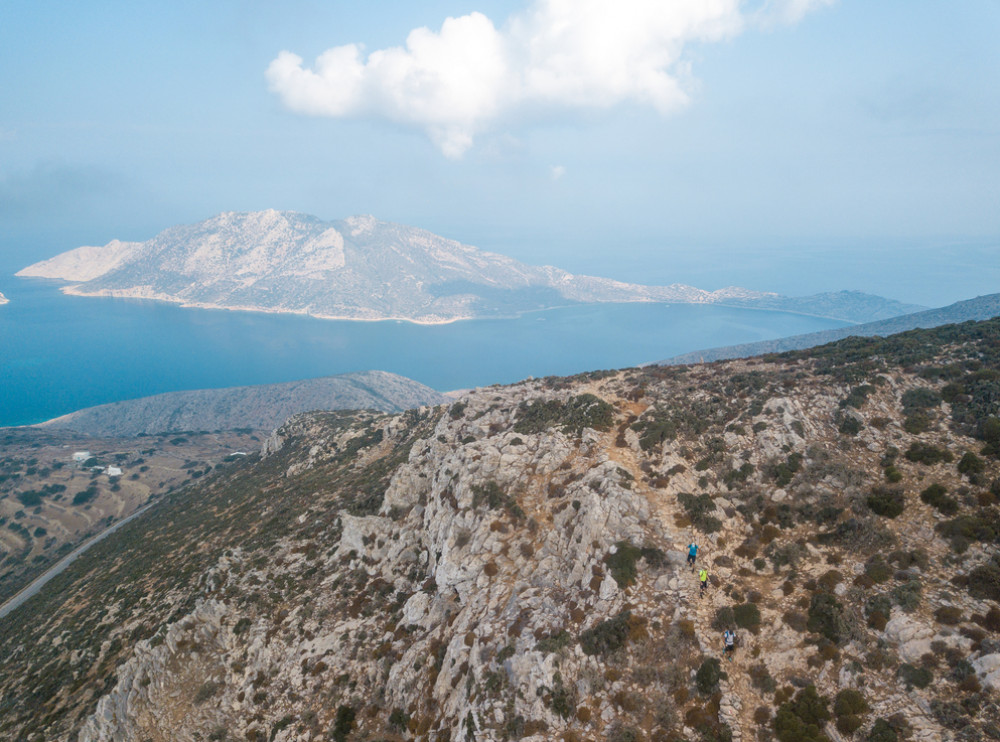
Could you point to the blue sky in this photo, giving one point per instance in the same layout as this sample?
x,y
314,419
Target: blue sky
x,y
790,145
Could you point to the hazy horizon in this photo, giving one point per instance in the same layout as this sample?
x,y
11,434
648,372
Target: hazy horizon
x,y
783,145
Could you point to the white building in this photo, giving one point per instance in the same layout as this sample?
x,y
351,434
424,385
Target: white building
x,y
114,471
81,456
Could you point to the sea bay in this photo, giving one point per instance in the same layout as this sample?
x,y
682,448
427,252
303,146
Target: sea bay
x,y
62,353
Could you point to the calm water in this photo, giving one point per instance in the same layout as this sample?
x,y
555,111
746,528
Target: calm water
x,y
62,353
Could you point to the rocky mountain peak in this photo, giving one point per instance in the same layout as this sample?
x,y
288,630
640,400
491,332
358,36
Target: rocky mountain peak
x,y
513,566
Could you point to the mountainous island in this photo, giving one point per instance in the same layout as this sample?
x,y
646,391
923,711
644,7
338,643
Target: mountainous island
x,y
261,407
365,269
511,566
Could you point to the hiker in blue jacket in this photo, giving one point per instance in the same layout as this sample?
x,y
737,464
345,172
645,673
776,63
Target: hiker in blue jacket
x,y
692,553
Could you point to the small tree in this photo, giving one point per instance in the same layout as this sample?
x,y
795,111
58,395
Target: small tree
x,y
803,718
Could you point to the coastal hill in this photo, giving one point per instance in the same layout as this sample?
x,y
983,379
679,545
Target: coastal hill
x,y
980,308
59,488
512,566
365,269
261,407
140,449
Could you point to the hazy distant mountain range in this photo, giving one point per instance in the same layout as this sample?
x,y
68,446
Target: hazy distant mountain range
x,y
980,308
365,269
262,407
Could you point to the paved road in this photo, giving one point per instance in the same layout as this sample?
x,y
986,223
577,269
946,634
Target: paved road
x,y
59,566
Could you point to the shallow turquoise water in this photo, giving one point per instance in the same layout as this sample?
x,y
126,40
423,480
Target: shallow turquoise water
x,y
62,353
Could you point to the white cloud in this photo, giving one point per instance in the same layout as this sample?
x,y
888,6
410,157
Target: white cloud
x,y
787,11
557,172
556,54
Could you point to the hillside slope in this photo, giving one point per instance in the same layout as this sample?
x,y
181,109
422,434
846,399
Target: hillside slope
x,y
365,269
980,308
51,502
512,567
262,407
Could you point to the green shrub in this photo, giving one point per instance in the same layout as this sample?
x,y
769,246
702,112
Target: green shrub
x,y
761,678
971,464
282,723
553,643
915,677
826,617
734,477
917,423
343,723
30,498
850,702
893,475
607,636
989,431
850,426
877,569
858,396
622,563
747,616
563,698
724,618
907,595
698,508
708,676
887,501
925,453
577,413
803,718
398,719
920,399
937,497
849,724
984,582
948,615
882,731
983,525
619,732
878,604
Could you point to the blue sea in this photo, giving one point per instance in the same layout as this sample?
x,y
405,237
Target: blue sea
x,y
62,353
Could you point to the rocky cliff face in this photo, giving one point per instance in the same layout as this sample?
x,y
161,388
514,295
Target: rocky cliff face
x,y
363,268
513,567
262,407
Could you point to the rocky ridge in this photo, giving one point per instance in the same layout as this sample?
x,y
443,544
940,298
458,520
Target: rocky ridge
x,y
980,308
362,268
261,407
512,567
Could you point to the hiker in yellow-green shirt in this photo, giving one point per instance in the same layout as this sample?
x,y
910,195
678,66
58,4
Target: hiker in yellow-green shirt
x,y
703,576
